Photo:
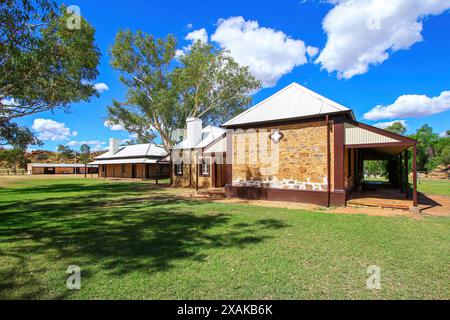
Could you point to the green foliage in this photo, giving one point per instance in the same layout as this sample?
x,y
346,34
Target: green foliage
x,y
212,85
85,153
375,168
16,136
43,64
397,127
151,104
445,155
162,91
429,148
65,152
13,157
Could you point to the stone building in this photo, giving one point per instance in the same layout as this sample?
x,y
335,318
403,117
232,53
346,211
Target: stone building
x,y
295,145
199,161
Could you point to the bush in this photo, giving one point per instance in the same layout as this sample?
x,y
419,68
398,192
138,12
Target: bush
x,y
445,155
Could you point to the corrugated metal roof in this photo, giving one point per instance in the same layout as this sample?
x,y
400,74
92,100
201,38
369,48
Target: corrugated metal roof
x,y
294,101
124,161
137,150
57,165
209,134
358,135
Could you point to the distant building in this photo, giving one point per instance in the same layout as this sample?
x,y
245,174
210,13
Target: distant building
x,y
61,168
139,161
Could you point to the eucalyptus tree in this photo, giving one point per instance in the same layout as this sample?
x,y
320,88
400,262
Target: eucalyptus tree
x,y
164,89
45,63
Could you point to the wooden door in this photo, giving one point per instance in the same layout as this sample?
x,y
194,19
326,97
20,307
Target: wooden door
x,y
219,175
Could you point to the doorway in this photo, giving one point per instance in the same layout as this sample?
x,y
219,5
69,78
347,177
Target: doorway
x,y
49,170
133,171
220,174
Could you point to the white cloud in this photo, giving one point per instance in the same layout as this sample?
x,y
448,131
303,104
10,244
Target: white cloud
x,y
411,106
268,53
101,87
9,102
365,32
192,36
312,51
179,53
95,145
114,127
384,125
196,35
443,134
189,26
50,130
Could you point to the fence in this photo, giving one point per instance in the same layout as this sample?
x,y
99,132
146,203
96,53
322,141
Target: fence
x,y
10,172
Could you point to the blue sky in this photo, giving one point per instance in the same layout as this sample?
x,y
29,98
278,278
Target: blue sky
x,y
363,59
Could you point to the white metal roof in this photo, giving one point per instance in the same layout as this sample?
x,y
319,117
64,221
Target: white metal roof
x,y
137,150
293,101
124,161
58,165
209,134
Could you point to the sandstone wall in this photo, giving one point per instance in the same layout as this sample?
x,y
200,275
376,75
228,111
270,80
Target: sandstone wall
x,y
188,179
302,153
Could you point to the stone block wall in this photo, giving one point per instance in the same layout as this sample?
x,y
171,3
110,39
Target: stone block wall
x,y
302,153
188,179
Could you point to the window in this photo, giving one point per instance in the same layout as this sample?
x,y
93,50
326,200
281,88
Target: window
x,y
179,169
123,169
205,168
163,169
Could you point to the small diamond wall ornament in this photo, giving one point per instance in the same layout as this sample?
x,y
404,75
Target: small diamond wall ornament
x,y
276,136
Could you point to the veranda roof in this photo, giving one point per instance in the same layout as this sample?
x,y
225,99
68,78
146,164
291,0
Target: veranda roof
x,y
58,165
137,150
126,161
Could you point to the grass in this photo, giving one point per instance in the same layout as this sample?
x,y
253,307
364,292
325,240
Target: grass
x,y
133,240
428,186
439,187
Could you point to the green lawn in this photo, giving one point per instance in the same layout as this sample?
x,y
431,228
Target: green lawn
x,y
136,241
440,187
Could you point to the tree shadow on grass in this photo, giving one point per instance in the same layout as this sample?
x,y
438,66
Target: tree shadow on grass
x,y
144,232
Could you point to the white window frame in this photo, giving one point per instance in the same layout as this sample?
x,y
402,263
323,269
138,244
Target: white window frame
x,y
179,169
205,168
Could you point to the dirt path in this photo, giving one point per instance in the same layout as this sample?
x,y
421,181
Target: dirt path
x,y
430,205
